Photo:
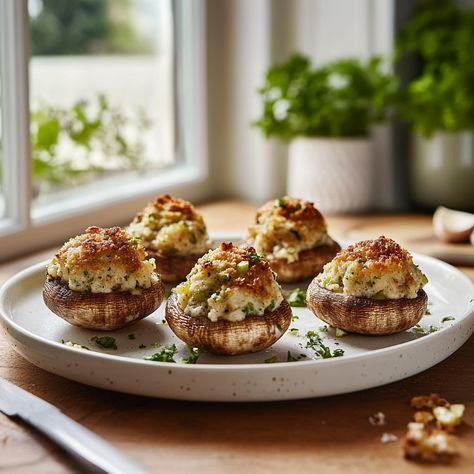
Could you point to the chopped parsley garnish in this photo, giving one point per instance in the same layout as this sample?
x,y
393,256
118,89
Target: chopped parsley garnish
x,y
295,317
290,357
74,344
427,312
105,342
282,202
135,240
141,346
448,318
131,337
195,353
433,329
297,298
254,256
418,329
316,344
323,328
249,308
192,239
271,360
294,331
155,345
165,355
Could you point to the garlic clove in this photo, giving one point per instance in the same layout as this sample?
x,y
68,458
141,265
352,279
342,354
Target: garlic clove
x,y
452,226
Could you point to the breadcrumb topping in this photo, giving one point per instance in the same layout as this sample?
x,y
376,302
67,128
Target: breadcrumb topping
x,y
102,261
230,283
379,269
171,226
285,227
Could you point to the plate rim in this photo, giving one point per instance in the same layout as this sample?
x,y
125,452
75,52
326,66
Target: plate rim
x,y
385,351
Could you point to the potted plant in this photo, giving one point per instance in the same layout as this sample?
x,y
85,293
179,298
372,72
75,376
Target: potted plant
x,y
439,103
326,113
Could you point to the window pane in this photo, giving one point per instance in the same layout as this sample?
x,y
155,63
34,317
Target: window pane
x,y
101,95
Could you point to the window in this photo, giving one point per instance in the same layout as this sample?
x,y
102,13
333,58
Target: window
x,y
101,124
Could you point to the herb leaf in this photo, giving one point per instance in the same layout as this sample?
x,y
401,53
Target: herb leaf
x,y
105,342
165,355
316,344
448,318
297,298
271,360
195,353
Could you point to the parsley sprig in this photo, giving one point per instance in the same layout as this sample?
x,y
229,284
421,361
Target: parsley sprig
x,y
316,344
165,355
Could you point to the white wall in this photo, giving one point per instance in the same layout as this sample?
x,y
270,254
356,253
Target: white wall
x,y
244,38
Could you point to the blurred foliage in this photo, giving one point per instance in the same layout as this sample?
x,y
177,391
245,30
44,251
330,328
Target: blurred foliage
x,y
86,26
442,97
339,99
73,145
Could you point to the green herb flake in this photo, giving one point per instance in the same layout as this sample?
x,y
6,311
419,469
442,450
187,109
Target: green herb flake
x,y
418,329
433,329
290,357
195,353
323,328
295,317
448,318
316,344
297,298
294,331
282,202
271,360
131,337
135,240
141,346
165,355
248,308
427,312
106,342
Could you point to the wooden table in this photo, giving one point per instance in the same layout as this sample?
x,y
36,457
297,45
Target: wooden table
x,y
320,435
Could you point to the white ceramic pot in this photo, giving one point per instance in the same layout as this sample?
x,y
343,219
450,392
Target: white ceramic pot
x,y
336,174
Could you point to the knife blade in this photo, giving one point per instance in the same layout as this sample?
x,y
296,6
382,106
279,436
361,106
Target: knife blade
x,y
74,438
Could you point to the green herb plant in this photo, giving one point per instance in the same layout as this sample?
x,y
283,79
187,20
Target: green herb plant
x,y
339,99
441,98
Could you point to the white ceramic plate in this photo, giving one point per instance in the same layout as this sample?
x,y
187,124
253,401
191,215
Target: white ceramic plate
x,y
36,334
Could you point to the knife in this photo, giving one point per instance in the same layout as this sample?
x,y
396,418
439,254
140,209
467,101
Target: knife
x,y
86,446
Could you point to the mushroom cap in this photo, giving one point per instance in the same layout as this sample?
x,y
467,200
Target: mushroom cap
x,y
365,315
173,268
252,334
101,311
309,263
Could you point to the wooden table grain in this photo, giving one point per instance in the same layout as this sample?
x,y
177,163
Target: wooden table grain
x,y
330,434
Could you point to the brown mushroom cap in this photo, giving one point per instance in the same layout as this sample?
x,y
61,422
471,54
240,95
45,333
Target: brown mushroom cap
x,y
365,315
309,263
253,334
101,311
173,268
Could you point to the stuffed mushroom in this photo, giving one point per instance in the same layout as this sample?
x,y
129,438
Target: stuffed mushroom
x,y
372,287
173,233
292,235
229,304
102,280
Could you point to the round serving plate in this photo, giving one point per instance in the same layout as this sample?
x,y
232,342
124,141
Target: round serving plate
x,y
40,336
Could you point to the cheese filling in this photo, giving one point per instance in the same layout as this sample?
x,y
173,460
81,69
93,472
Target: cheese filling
x,y
378,269
229,283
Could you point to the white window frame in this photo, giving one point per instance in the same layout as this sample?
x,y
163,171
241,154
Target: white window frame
x,y
20,232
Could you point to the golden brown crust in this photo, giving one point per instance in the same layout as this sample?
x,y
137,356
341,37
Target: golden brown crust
x,y
253,334
173,268
308,265
101,311
365,315
102,247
